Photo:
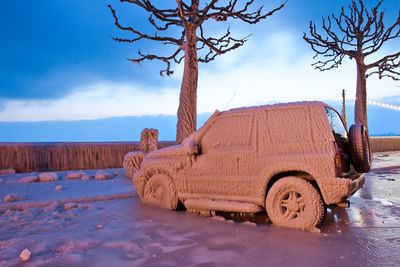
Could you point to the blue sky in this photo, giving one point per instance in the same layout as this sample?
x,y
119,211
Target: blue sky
x,y
59,63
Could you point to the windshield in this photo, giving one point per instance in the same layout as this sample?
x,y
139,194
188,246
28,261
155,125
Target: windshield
x,y
336,123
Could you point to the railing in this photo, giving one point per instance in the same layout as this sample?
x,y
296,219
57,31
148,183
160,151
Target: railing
x,y
385,143
30,157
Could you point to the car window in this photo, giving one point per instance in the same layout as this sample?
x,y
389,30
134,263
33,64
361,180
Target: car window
x,y
336,122
229,131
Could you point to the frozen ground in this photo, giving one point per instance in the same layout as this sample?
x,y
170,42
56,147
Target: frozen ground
x,y
103,223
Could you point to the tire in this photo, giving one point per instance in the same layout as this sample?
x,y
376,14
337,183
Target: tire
x,y
293,202
360,149
160,191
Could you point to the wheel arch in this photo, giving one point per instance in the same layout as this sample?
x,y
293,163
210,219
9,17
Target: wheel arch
x,y
279,175
305,175
145,174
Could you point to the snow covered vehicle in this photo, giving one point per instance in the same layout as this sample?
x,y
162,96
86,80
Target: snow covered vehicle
x,y
286,159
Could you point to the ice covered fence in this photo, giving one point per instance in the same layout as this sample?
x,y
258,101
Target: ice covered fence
x,y
385,143
29,157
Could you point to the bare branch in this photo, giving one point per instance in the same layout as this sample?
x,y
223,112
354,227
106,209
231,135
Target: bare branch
x,y
222,13
147,6
386,67
218,46
166,60
140,35
187,14
361,33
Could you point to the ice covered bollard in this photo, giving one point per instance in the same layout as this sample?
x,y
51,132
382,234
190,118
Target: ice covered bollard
x,y
132,162
48,177
148,140
25,255
148,143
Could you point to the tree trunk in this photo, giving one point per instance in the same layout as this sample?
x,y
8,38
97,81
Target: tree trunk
x,y
360,109
188,97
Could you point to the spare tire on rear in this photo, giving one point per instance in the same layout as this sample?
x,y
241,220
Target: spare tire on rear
x,y
360,149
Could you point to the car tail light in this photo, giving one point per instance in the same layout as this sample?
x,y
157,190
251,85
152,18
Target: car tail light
x,y
338,161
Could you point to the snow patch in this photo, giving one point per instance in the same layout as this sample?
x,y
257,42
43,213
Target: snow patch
x,y
116,173
70,205
103,175
25,255
75,175
13,198
86,178
28,179
7,171
58,188
48,177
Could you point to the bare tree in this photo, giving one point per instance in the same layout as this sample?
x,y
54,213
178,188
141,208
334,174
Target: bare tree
x,y
189,16
356,34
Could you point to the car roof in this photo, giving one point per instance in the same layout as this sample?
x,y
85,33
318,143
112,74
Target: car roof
x,y
278,105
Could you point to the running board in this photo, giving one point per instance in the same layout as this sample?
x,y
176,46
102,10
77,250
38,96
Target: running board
x,y
221,205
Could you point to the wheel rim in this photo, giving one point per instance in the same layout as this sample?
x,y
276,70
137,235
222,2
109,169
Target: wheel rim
x,y
292,205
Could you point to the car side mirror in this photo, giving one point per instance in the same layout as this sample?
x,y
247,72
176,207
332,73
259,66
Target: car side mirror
x,y
191,147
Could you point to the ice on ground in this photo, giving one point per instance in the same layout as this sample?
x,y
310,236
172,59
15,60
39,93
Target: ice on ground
x,y
42,194
385,159
116,173
124,232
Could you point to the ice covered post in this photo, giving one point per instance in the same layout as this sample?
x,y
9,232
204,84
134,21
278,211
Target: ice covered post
x,y
148,143
358,32
148,140
181,26
344,114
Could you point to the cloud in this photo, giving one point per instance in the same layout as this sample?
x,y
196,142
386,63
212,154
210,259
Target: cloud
x,y
270,70
266,70
100,100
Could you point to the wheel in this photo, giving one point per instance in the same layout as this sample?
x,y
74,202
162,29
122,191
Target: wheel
x,y
160,191
295,203
360,149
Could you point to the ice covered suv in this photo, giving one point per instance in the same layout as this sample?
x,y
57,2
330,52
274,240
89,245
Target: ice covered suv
x,y
288,159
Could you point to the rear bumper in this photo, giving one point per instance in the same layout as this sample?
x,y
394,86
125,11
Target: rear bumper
x,y
338,189
356,184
